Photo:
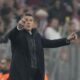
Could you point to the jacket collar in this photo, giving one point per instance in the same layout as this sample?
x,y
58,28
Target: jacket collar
x,y
33,31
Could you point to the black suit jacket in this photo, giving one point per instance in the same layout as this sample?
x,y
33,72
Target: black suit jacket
x,y
20,66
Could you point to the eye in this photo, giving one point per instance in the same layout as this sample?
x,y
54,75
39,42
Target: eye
x,y
26,19
31,20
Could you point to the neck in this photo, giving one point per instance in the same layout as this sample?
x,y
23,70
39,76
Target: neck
x,y
30,31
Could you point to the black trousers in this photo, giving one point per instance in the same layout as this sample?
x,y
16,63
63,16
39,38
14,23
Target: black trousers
x,y
35,74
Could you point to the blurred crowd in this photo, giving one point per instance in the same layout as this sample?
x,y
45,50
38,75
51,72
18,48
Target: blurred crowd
x,y
55,19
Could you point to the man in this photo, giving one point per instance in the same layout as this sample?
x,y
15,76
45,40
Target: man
x,y
27,50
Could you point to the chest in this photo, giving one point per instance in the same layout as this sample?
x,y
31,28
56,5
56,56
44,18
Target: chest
x,y
30,42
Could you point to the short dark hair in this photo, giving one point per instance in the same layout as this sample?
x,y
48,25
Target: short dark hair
x,y
28,14
32,15
25,14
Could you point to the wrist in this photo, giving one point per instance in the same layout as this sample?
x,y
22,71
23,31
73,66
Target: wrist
x,y
68,41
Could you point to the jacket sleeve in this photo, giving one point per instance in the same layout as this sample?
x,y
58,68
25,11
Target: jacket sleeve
x,y
10,34
54,43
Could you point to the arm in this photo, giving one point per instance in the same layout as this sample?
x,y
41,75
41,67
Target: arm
x,y
10,33
59,42
13,33
54,43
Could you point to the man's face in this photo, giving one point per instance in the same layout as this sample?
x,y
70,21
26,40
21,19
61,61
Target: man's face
x,y
28,22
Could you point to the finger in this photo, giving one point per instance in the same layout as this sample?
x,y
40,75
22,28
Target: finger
x,y
20,23
76,37
73,34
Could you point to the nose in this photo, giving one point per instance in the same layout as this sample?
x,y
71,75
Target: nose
x,y
28,22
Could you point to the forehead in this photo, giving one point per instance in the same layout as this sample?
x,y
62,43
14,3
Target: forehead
x,y
28,17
